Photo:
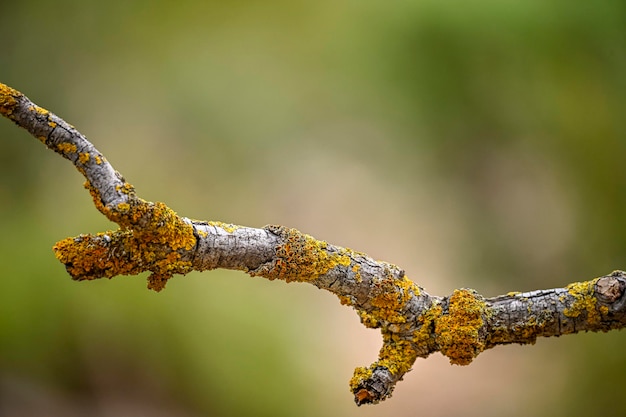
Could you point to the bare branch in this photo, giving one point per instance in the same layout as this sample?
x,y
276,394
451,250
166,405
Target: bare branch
x,y
413,323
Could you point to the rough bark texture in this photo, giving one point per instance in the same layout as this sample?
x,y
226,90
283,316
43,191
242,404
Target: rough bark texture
x,y
413,323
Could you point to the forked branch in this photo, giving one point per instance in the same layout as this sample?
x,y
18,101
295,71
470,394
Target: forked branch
x,y
413,323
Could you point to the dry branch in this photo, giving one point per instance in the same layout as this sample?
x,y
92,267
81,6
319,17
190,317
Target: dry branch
x,y
413,323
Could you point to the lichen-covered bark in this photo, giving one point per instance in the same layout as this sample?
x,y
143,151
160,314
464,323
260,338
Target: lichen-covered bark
x,y
413,323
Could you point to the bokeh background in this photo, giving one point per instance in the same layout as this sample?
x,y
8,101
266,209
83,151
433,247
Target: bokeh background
x,y
474,143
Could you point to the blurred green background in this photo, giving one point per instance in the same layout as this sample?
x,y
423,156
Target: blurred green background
x,y
474,143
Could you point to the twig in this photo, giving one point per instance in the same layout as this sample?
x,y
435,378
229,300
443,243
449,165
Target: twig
x,y
413,323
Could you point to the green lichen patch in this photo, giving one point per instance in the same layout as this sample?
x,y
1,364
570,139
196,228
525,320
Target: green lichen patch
x,y
458,333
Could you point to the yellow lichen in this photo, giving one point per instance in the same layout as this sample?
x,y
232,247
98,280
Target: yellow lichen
x,y
152,238
40,110
8,100
388,299
361,374
125,188
66,147
95,195
397,355
424,335
346,300
458,332
226,226
52,124
357,272
368,320
584,301
83,157
98,159
116,253
155,223
301,257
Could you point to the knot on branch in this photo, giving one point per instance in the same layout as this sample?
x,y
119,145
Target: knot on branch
x,y
611,290
152,238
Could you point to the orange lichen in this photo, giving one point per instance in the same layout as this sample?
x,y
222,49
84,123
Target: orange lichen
x,y
66,147
83,157
126,188
458,333
301,257
584,301
97,200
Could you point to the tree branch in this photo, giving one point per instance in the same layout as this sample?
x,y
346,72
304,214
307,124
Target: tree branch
x,y
413,323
